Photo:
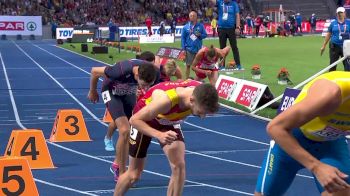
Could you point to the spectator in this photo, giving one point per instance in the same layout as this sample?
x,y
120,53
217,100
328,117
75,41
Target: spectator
x,y
257,23
162,28
312,22
242,24
299,20
338,31
292,24
173,26
192,37
148,23
53,29
229,26
214,25
266,25
250,24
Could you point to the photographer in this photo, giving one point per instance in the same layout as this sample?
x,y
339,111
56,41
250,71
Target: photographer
x,y
338,31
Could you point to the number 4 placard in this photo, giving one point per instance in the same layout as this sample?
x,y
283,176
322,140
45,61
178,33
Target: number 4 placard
x,y
69,126
16,177
31,145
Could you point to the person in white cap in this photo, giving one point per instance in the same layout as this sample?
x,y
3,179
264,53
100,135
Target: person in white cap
x,y
312,22
338,31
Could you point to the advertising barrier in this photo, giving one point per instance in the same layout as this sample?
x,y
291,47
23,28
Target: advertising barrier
x,y
288,99
243,92
23,25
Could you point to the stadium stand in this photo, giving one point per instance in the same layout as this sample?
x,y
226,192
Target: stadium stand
x,y
323,9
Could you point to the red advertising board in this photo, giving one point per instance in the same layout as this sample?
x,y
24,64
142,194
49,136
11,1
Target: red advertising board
x,y
225,88
247,95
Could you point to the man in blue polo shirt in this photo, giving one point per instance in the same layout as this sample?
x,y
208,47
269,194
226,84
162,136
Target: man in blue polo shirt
x,y
192,37
228,26
338,31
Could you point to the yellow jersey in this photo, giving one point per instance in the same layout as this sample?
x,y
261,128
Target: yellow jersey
x,y
337,124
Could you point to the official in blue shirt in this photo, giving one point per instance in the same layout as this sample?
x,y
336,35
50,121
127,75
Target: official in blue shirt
x,y
338,31
192,37
228,26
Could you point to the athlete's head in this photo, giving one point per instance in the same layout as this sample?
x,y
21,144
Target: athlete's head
x,y
211,53
170,67
204,100
147,56
146,74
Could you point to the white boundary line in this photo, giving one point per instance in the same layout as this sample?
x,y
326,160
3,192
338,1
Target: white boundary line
x,y
15,111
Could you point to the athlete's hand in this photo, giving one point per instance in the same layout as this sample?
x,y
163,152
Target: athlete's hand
x,y
140,93
208,72
167,137
93,96
331,179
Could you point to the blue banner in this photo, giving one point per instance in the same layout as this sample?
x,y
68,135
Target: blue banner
x,y
288,98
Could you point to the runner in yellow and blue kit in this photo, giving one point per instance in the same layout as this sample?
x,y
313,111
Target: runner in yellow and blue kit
x,y
311,134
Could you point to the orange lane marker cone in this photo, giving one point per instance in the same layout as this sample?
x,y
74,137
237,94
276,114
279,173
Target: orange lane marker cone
x,y
31,145
69,126
107,118
17,178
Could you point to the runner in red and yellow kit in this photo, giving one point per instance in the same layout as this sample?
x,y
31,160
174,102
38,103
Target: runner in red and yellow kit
x,y
159,114
311,134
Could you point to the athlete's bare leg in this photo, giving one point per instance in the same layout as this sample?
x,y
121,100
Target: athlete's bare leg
x,y
176,156
128,178
122,146
213,77
111,129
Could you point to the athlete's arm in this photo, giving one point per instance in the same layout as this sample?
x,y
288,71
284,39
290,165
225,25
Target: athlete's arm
x,y
223,53
326,40
96,73
196,60
178,73
323,98
157,61
160,105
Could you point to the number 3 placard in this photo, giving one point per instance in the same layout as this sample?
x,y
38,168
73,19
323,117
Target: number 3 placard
x,y
69,126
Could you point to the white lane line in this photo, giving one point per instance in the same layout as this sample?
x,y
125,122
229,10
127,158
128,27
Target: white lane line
x,y
138,188
36,104
23,127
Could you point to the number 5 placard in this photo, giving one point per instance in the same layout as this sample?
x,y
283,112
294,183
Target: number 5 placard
x,y
16,177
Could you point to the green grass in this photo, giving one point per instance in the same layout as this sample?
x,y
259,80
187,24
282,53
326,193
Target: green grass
x,y
300,55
